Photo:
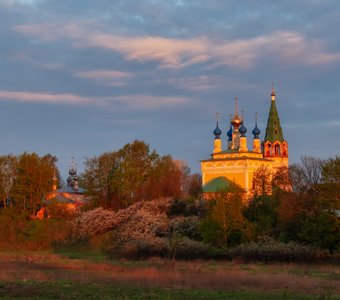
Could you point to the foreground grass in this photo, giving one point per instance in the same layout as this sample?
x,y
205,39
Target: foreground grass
x,y
92,275
72,290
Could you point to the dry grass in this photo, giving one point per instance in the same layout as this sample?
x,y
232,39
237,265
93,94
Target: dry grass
x,y
302,279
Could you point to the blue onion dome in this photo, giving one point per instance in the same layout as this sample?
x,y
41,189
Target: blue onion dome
x,y
256,132
72,172
230,133
217,132
243,130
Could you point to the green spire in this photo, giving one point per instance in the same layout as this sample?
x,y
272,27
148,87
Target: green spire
x,y
274,129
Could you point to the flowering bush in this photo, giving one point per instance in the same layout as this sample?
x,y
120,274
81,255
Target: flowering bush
x,y
93,222
145,229
137,221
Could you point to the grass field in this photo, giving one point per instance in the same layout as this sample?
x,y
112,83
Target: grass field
x,y
46,275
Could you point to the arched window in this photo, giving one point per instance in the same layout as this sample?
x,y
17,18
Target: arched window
x,y
269,150
277,149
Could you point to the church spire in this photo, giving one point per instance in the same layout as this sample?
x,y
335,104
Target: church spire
x,y
55,181
273,92
274,129
274,144
236,122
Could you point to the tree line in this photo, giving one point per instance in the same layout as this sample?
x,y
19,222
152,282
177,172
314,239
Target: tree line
x,y
117,179
307,212
300,203
25,179
112,180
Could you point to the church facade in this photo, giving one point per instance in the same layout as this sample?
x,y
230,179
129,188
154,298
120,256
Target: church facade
x,y
237,164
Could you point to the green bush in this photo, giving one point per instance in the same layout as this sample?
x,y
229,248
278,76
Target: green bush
x,y
272,251
18,231
181,207
186,248
136,249
186,226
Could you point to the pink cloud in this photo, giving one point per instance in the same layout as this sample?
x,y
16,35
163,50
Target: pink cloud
x,y
287,46
105,77
171,52
211,82
149,101
131,101
33,97
102,74
52,31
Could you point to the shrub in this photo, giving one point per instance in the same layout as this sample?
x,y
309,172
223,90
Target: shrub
x,y
93,222
186,248
186,226
139,218
179,207
18,231
136,249
268,251
45,234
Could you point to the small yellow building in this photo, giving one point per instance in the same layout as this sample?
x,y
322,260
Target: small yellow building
x,y
237,164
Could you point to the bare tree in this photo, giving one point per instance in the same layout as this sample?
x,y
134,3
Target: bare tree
x,y
262,181
306,174
8,164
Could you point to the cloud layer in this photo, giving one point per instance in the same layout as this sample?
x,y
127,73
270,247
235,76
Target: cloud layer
x,y
83,77
286,46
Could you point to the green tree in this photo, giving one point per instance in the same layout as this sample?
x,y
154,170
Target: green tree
x,y
225,219
97,179
262,213
165,179
321,229
8,165
329,190
290,207
33,180
331,170
133,173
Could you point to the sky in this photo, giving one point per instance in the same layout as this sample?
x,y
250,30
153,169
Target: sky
x,y
80,77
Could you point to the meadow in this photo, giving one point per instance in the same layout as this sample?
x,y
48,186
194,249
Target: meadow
x,y
86,275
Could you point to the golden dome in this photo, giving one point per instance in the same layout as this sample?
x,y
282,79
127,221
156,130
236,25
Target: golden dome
x,y
236,121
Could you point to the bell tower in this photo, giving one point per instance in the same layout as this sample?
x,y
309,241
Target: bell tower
x,y
274,146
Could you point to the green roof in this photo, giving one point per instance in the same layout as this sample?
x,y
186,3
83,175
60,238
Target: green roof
x,y
274,129
217,184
